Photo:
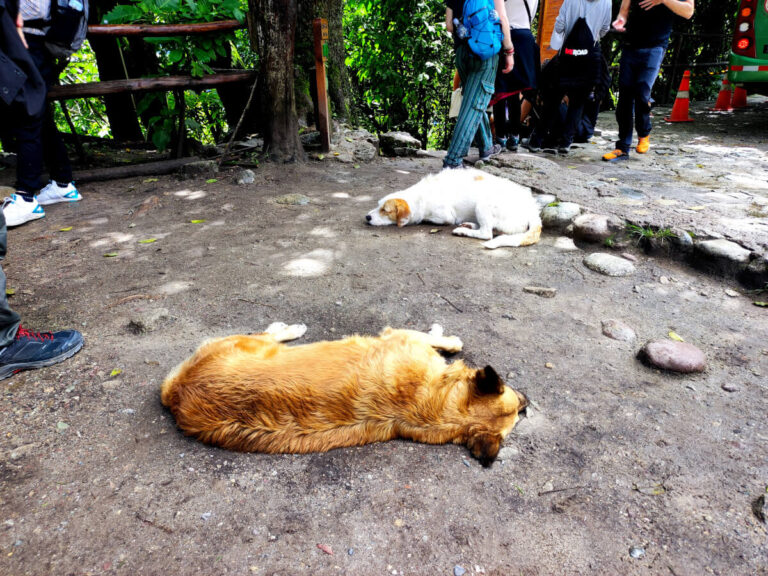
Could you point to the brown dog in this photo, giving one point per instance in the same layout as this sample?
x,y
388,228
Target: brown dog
x,y
254,394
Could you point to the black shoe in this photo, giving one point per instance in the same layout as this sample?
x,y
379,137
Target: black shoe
x,y
512,143
562,149
494,150
38,349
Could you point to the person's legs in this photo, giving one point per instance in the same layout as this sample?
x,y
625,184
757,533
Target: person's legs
x,y
54,152
477,80
645,76
22,349
9,320
577,97
626,104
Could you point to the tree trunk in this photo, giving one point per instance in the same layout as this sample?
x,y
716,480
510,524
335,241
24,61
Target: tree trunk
x,y
124,125
338,80
273,34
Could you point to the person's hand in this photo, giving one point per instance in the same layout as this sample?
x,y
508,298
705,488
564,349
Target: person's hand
x,y
648,4
509,63
620,24
20,29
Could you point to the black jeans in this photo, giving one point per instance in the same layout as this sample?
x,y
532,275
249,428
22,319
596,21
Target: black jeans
x,y
38,140
9,320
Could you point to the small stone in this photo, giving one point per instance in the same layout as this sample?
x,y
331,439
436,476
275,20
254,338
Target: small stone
x,y
731,293
147,321
507,453
637,552
560,215
548,486
592,228
398,144
663,280
245,176
628,256
760,508
618,330
293,200
565,244
61,426
549,365
206,516
128,411
674,356
609,265
728,387
200,169
351,551
459,570
542,291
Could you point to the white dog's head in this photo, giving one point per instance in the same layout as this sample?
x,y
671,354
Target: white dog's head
x,y
390,211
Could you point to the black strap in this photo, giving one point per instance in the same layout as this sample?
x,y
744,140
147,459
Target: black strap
x,y
528,9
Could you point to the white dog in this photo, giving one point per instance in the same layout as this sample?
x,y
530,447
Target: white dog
x,y
477,202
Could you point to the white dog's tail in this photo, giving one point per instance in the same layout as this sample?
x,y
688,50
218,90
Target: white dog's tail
x,y
531,236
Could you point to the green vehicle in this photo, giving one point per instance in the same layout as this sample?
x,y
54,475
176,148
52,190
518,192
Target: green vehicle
x,y
749,51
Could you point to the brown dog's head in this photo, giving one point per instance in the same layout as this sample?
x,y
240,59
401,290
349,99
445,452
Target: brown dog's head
x,y
495,409
390,211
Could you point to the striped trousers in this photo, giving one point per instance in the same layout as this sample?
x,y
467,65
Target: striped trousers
x,y
477,87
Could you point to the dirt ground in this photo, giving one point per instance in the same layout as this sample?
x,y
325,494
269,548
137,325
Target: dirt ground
x,y
612,457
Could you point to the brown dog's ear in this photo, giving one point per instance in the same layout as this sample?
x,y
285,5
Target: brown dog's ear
x,y
403,212
488,382
485,447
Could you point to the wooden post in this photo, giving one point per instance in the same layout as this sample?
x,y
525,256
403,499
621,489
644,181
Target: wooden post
x,y
323,121
548,11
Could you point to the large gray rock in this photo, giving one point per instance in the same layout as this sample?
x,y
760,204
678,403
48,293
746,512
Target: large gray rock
x,y
609,265
560,215
200,169
720,256
593,227
673,356
398,144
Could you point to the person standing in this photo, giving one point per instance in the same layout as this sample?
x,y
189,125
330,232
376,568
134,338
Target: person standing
x,y
22,93
477,81
579,27
37,138
511,87
647,25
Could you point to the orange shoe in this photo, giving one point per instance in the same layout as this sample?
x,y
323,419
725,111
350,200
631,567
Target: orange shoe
x,y
615,155
643,144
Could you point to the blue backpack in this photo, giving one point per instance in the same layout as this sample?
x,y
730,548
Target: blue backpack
x,y
483,28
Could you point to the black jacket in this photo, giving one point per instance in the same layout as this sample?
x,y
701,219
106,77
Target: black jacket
x,y
20,82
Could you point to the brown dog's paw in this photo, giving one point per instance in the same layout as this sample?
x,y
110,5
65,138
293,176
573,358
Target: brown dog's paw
x,y
485,447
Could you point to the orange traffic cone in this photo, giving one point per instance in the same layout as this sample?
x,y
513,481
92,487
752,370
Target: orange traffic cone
x,y
680,108
723,103
739,99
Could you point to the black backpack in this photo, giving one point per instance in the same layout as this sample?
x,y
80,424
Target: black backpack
x,y
68,27
580,55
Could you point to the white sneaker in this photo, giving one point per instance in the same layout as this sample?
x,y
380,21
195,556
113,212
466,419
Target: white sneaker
x,y
53,193
17,211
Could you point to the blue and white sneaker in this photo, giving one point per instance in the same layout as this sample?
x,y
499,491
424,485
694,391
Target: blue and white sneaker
x,y
53,194
18,211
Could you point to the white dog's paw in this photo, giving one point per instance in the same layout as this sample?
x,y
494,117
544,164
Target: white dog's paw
x,y
461,231
283,332
436,330
452,344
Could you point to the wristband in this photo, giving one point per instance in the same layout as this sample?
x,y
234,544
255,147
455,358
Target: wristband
x,y
510,51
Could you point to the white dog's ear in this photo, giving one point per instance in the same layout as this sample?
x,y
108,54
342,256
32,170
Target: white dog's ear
x,y
403,212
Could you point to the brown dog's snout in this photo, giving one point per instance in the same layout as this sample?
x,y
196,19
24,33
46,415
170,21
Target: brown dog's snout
x,y
523,401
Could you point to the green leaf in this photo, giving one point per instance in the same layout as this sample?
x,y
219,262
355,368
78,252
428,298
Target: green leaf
x,y
761,304
67,229
211,180
148,241
115,372
110,254
196,221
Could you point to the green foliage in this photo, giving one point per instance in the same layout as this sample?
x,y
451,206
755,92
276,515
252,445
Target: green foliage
x,y
650,233
194,55
88,114
400,61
